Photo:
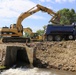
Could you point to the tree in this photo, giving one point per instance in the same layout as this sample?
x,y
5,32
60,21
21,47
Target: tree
x,y
41,32
67,16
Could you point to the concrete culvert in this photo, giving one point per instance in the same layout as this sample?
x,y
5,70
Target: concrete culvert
x,y
21,57
16,56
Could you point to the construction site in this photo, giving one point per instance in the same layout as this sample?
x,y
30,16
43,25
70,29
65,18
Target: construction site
x,y
55,49
57,55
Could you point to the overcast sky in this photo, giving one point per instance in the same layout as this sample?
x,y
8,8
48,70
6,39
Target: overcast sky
x,y
11,9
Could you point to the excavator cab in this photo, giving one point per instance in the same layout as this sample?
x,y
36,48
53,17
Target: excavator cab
x,y
13,26
34,36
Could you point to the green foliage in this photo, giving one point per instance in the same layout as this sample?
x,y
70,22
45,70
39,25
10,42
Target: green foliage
x,y
2,67
41,32
26,34
67,16
44,27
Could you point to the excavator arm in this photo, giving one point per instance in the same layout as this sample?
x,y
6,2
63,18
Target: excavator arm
x,y
55,18
25,15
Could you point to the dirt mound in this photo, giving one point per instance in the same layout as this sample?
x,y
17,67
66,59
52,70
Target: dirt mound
x,y
58,55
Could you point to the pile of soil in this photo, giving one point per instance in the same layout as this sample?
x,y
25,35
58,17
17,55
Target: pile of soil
x,y
58,55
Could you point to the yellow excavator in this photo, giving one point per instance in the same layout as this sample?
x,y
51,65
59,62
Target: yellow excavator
x,y
32,35
14,33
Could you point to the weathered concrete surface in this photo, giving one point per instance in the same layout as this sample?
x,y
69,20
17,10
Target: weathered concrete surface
x,y
13,53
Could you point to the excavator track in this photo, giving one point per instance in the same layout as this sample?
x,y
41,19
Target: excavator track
x,y
15,39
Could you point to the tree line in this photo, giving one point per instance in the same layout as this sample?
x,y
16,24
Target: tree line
x,y
67,16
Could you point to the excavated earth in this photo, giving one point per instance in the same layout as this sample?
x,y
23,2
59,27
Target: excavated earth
x,y
57,55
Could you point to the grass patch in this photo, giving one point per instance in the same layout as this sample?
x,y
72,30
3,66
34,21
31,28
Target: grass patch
x,y
2,67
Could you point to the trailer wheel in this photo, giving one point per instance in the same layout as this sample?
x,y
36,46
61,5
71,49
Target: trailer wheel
x,y
50,38
71,37
58,38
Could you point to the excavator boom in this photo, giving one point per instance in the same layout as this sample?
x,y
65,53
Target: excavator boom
x,y
14,33
55,18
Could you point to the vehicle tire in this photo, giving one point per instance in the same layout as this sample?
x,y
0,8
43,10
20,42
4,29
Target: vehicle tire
x,y
58,38
71,37
50,38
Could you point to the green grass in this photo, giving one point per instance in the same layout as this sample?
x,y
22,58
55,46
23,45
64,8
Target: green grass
x,y
2,67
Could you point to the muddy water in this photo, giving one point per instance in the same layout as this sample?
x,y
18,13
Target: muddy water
x,y
36,71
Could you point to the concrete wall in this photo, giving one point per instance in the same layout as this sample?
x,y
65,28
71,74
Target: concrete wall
x,y
12,55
